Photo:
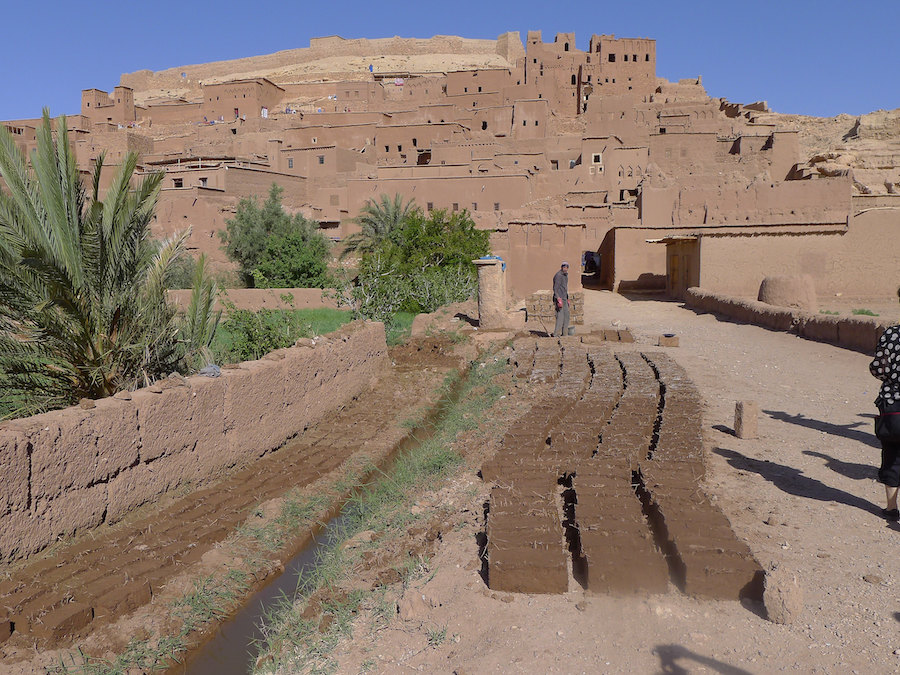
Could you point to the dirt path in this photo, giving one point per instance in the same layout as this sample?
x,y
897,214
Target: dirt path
x,y
802,495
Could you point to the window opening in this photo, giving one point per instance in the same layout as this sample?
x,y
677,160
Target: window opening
x,y
291,163
178,182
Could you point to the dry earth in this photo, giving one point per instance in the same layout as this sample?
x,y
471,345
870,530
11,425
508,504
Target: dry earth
x,y
802,495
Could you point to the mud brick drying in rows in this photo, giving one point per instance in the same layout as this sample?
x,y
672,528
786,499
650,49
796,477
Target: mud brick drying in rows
x,y
606,469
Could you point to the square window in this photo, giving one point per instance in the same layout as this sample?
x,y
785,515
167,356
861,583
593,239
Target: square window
x,y
429,206
612,58
321,159
455,206
597,158
496,206
178,182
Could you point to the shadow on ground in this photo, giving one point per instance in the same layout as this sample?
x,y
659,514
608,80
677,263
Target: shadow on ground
x,y
851,470
843,430
670,655
792,481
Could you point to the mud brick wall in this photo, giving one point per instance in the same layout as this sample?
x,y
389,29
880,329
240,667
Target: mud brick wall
x,y
539,307
72,469
856,332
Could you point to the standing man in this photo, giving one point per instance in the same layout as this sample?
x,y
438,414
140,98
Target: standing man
x,y
561,300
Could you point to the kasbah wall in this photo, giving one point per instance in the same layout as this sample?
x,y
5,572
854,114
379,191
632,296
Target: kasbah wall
x,y
556,151
69,470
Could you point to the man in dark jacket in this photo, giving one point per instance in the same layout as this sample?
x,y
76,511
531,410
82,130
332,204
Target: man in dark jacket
x,y
561,300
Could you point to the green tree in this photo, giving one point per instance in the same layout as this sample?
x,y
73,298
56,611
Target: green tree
x,y
423,264
377,221
293,260
247,237
83,310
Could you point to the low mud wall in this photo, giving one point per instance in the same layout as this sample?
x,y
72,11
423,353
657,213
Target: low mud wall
x,y
856,332
261,298
72,469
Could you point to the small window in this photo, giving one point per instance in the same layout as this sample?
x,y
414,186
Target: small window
x,y
535,123
524,122
178,182
321,159
315,140
662,130
203,182
566,47
415,143
291,163
626,58
399,148
483,125
387,148
646,57
234,132
479,90
574,80
597,158
455,206
612,58
634,57
429,206
496,206
474,206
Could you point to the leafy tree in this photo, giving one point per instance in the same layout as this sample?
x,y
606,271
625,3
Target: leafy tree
x,y
247,237
293,260
83,310
423,264
378,220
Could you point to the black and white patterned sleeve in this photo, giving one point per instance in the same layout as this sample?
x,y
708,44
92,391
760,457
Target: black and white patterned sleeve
x,y
878,367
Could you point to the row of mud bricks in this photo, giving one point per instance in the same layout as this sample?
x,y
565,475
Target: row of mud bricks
x,y
606,471
539,306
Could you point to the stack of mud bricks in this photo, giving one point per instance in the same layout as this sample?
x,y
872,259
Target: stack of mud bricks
x,y
539,307
526,546
715,564
609,513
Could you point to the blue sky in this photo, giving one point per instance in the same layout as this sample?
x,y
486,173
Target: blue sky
x,y
802,56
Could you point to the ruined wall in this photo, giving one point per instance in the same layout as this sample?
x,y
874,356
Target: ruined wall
x,y
70,470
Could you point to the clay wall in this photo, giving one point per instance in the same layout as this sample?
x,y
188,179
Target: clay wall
x,y
856,332
737,265
533,253
240,98
70,470
172,113
628,262
530,119
260,298
467,82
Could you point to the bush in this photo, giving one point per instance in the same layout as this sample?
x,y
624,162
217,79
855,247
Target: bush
x,y
275,249
421,265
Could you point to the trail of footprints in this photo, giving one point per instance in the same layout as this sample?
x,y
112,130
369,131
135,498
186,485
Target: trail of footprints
x,y
606,472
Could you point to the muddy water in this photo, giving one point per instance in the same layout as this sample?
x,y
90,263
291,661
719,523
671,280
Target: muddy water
x,y
232,649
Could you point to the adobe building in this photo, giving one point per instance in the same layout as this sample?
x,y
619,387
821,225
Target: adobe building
x,y
556,151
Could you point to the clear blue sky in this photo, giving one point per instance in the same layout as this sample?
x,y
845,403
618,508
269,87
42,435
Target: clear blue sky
x,y
811,57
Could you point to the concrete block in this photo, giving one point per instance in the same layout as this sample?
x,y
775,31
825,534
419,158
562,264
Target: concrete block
x,y
746,419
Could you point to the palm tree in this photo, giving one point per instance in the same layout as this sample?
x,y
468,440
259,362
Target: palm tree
x,y
377,220
83,310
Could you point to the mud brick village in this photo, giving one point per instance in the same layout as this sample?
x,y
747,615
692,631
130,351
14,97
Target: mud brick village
x,y
684,481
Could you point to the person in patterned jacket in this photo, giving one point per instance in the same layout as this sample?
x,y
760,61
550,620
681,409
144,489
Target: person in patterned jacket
x,y
886,367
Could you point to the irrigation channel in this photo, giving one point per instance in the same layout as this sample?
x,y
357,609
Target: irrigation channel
x,y
230,649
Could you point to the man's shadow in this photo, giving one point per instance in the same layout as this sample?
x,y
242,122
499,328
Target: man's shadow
x,y
670,654
843,430
851,470
792,481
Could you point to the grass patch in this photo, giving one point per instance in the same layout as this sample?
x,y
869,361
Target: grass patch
x,y
399,328
298,643
829,312
863,312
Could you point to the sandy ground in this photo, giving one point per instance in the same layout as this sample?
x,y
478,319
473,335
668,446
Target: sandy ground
x,y
803,495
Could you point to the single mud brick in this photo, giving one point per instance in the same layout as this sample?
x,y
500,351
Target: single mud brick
x,y
122,600
6,627
638,569
668,340
548,578
741,578
746,419
66,621
626,336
